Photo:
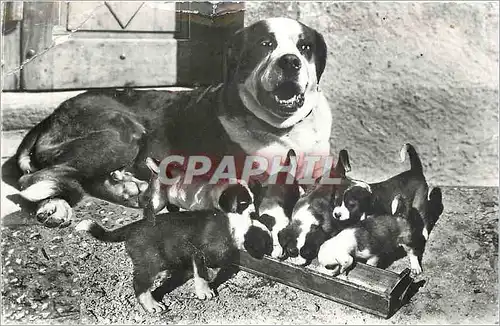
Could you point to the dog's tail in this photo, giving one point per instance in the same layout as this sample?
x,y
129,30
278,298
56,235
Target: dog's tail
x,y
58,181
25,149
415,163
100,233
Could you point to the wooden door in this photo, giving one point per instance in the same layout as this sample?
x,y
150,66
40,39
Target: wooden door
x,y
74,45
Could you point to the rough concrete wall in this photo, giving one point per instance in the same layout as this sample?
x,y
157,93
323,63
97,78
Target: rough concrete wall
x,y
426,73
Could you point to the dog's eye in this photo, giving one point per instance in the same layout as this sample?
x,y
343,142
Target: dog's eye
x,y
267,43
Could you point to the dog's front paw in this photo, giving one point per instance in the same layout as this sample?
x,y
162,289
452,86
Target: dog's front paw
x,y
54,212
150,304
203,291
415,266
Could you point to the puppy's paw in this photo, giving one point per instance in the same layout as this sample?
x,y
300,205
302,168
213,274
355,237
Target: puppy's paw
x,y
54,212
415,266
203,291
150,304
297,261
277,252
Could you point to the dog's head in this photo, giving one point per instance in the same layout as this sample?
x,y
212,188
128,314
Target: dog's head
x,y
276,65
258,240
236,198
355,202
352,197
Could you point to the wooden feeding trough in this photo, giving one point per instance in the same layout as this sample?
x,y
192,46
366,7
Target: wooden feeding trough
x,y
367,288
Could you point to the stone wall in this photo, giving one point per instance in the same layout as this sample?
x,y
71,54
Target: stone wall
x,y
426,73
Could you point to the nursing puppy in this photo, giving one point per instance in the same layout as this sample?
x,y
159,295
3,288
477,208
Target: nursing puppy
x,y
181,242
312,221
374,237
359,201
193,196
275,202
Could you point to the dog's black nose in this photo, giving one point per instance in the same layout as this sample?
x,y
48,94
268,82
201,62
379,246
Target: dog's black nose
x,y
289,62
337,214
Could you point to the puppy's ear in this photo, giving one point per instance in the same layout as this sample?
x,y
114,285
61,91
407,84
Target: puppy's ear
x,y
343,165
291,154
268,220
320,54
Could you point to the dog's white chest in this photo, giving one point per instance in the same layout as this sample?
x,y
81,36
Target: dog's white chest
x,y
309,136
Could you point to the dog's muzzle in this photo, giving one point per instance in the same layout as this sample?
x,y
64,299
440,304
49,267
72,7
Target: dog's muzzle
x,y
286,95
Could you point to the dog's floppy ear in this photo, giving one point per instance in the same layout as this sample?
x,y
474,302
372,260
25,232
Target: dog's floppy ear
x,y
320,54
343,165
232,53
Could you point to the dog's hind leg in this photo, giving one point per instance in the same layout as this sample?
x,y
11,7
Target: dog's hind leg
x,y
142,287
200,275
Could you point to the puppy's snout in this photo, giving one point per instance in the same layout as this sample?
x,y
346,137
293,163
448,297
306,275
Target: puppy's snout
x,y
337,214
289,63
293,252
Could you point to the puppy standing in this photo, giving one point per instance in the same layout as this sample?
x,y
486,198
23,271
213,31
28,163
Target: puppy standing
x,y
181,241
359,201
374,237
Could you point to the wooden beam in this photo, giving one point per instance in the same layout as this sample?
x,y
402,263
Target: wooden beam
x,y
367,288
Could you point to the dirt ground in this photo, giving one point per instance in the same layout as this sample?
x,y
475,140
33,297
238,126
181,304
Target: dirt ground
x,y
58,276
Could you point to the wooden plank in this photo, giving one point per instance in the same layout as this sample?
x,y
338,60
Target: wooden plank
x,y
91,63
158,17
11,50
373,290
38,22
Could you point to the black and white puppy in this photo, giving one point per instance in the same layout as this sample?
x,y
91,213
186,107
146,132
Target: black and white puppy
x,y
184,241
312,220
359,201
275,202
374,237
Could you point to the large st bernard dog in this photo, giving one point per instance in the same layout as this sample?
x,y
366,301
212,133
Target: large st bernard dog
x,y
97,142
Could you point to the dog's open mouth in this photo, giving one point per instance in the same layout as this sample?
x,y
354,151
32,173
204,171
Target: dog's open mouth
x,y
289,97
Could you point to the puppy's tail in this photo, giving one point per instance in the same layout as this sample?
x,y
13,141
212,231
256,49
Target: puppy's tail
x,y
100,233
415,163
